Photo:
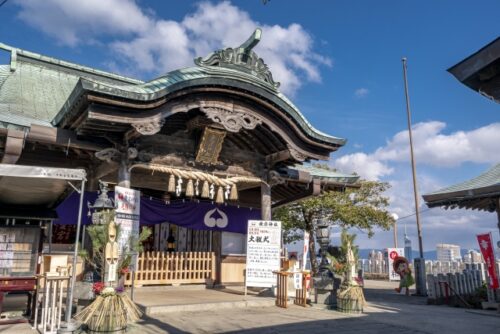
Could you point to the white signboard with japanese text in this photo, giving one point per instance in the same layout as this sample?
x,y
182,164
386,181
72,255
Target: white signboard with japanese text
x,y
263,252
128,204
393,253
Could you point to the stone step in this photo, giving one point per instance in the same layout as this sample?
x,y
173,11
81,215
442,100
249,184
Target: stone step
x,y
161,309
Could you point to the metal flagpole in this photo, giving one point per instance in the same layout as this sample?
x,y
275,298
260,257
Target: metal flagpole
x,y
420,263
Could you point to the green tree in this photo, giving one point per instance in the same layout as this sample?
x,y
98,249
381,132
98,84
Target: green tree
x,y
363,208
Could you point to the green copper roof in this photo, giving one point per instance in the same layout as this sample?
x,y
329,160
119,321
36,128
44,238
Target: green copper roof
x,y
474,193
487,179
202,76
34,88
32,94
326,174
39,89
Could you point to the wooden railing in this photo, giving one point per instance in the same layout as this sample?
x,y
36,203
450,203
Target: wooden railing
x,y
301,294
160,268
282,288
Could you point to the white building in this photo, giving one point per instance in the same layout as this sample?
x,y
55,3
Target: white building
x,y
448,252
473,256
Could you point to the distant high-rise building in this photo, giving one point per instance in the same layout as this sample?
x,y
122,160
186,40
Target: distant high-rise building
x,y
408,250
448,252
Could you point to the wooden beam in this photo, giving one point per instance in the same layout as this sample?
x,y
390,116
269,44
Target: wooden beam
x,y
274,158
14,145
60,137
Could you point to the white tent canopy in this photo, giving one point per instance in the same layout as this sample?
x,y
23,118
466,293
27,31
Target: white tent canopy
x,y
42,187
34,185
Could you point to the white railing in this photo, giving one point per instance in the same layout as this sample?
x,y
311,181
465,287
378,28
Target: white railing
x,y
50,298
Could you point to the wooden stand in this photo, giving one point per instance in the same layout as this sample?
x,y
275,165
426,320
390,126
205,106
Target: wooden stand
x,y
10,284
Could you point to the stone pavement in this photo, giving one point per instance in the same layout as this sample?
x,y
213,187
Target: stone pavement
x,y
402,319
386,312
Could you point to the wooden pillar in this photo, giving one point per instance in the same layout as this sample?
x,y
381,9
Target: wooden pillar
x,y
265,193
124,173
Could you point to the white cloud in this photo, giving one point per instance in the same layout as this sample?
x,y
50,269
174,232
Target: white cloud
x,y
144,43
71,22
434,148
431,147
361,92
363,164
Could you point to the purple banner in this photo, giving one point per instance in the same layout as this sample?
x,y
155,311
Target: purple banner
x,y
198,216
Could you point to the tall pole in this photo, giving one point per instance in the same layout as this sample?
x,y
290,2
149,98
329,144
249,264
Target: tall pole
x,y
420,262
395,229
395,235
413,168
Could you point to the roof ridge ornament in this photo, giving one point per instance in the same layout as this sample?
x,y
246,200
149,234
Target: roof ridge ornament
x,y
242,59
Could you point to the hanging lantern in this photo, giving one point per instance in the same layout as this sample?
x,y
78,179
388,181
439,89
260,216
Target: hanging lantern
x,y
220,196
234,193
190,188
205,190
171,183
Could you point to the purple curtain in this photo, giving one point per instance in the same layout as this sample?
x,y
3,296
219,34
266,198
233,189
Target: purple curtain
x,y
198,216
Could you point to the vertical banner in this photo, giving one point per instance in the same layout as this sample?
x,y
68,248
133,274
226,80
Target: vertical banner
x,y
305,250
128,206
263,252
393,253
486,245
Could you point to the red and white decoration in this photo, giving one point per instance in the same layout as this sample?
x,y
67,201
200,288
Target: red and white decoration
x,y
487,250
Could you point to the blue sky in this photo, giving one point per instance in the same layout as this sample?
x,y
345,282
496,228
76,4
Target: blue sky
x,y
339,61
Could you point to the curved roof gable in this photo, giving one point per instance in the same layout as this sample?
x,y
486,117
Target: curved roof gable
x,y
238,68
64,82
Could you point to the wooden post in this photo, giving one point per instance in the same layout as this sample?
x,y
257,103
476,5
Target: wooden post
x,y
124,173
265,193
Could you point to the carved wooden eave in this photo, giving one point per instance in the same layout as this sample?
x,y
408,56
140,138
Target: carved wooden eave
x,y
234,111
